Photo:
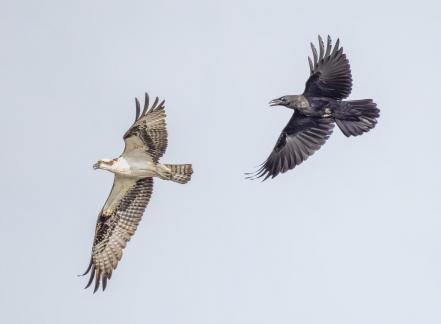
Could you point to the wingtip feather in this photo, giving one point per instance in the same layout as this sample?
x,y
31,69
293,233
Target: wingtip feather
x,y
146,103
92,275
97,281
138,108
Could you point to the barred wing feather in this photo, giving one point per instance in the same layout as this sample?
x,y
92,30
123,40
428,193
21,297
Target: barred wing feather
x,y
116,224
149,131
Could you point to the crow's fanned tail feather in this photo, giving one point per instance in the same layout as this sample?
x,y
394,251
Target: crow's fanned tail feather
x,y
356,117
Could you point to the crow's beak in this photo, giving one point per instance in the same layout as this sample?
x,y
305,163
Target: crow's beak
x,y
275,102
96,166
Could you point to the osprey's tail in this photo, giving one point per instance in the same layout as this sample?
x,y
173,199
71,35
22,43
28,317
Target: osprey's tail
x,y
356,117
181,173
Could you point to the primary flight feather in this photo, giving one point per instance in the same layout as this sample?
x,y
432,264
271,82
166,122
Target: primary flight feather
x,y
317,109
145,143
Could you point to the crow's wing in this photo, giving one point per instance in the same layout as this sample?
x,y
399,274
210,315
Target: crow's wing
x,y
300,138
330,72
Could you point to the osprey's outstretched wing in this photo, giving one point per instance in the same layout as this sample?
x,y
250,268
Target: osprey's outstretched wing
x,y
300,138
116,223
148,134
330,72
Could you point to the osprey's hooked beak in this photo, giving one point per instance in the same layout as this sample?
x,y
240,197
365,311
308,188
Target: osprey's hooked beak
x,y
276,102
96,166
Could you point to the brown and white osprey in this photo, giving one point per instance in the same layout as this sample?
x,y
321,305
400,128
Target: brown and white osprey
x,y
145,143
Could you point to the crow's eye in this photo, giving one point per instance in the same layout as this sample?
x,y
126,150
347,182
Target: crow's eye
x,y
283,99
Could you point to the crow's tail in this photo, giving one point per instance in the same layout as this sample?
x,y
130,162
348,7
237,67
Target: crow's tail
x,y
356,117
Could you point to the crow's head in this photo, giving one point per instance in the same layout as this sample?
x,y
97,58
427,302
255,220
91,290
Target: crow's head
x,y
287,101
292,101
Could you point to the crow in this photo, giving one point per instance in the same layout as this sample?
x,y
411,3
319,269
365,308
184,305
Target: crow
x,y
317,109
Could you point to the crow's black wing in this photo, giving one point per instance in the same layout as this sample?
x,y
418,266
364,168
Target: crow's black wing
x,y
300,138
330,72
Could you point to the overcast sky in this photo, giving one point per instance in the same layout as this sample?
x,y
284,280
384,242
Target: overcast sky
x,y
353,235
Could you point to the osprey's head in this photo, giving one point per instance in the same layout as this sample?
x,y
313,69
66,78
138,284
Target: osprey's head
x,y
104,164
287,101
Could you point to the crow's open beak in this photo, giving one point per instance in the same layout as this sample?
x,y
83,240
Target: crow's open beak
x,y
275,102
96,166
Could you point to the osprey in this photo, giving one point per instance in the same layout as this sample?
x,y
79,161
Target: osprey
x,y
145,143
317,109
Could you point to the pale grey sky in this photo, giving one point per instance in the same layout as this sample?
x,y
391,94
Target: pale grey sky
x,y
353,235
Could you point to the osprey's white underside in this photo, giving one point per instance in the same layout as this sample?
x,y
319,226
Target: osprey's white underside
x,y
134,164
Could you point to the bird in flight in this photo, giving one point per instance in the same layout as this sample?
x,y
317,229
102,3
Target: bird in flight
x,y
317,109
145,143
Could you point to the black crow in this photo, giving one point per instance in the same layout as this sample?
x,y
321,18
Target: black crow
x,y
316,110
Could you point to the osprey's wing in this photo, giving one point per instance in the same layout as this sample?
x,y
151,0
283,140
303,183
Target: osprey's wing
x,y
148,133
300,138
330,72
116,223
